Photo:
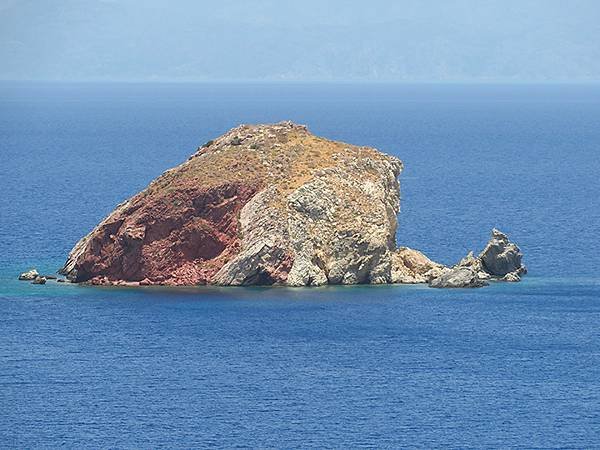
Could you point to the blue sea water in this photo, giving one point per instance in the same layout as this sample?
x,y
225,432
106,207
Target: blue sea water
x,y
367,366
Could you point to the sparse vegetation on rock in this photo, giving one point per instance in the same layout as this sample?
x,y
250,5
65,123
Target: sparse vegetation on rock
x,y
270,204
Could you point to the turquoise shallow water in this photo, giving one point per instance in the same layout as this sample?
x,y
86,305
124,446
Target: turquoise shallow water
x,y
373,366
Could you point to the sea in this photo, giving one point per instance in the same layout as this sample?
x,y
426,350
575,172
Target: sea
x,y
509,365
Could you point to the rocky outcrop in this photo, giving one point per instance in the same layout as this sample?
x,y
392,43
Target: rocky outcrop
x,y
501,257
474,263
39,280
458,277
265,204
411,266
29,275
272,204
501,260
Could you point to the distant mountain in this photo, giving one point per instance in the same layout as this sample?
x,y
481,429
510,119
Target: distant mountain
x,y
309,40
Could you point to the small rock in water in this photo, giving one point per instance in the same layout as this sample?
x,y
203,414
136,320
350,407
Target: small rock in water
x,y
499,261
39,280
458,277
501,257
29,275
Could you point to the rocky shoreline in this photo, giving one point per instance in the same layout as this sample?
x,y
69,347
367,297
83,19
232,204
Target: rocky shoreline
x,y
501,260
272,205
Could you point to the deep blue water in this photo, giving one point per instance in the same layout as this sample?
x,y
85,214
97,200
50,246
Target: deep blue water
x,y
385,366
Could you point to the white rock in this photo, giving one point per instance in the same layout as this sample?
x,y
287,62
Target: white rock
x,y
29,275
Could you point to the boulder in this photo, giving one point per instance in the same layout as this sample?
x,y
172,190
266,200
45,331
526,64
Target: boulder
x,y
411,266
29,275
39,280
501,257
458,277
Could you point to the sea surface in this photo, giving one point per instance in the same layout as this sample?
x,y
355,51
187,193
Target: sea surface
x,y
510,365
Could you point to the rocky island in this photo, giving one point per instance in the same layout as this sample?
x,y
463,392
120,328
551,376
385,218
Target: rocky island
x,y
272,205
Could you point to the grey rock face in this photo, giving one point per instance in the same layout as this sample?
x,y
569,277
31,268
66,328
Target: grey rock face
x,y
458,277
337,227
501,260
501,257
475,264
264,251
347,234
39,280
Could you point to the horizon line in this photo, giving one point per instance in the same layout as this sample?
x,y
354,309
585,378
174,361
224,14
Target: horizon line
x,y
498,81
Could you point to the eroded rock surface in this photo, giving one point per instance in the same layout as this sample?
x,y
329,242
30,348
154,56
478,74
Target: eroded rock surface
x,y
410,266
501,257
458,277
265,204
272,204
501,260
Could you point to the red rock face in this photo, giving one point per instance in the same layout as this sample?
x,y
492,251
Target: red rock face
x,y
182,238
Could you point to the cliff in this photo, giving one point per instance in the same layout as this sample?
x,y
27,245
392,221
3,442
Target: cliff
x,y
273,204
264,204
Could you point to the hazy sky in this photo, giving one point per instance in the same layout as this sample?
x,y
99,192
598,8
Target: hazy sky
x,y
371,40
